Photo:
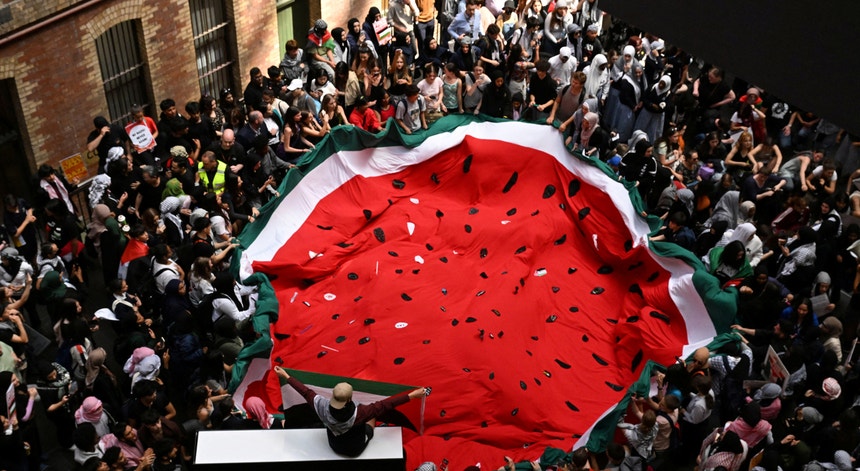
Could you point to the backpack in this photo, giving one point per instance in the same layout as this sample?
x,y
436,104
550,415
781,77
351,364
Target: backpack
x,y
140,274
674,435
203,315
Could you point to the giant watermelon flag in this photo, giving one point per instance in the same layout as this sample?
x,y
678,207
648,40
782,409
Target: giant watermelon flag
x,y
485,260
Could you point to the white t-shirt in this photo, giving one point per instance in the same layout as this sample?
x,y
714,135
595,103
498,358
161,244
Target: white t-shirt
x,y
432,92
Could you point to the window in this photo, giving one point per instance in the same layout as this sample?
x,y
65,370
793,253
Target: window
x,y
124,71
212,38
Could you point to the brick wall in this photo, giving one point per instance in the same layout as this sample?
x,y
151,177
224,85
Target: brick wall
x,y
25,12
334,13
58,79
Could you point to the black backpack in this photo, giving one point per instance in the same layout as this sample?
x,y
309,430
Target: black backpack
x,y
674,435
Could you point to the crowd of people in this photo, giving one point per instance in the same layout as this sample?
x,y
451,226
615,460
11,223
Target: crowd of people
x,y
753,186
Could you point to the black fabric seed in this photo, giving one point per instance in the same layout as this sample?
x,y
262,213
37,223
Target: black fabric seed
x,y
523,280
442,308
529,353
511,211
501,333
537,381
473,211
416,271
445,291
470,320
344,245
467,370
605,270
405,297
379,234
520,250
597,290
435,178
281,336
515,411
523,385
325,228
612,321
340,339
352,276
454,322
654,276
599,360
571,271
426,342
634,288
516,289
635,265
369,321
467,164
442,413
562,206
637,359
536,212
496,312
547,374
429,247
535,338
492,375
335,317
480,293
484,275
584,338
571,406
399,184
468,228
279,360
560,240
443,259
484,424
551,318
390,202
562,364
367,214
393,253
573,188
662,317
321,354
556,289
615,387
632,319
584,212
481,334
511,182
439,213
573,309
548,191
484,252
628,245
399,360
364,340
398,271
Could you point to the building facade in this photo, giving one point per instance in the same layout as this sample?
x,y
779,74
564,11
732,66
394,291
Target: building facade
x,y
64,62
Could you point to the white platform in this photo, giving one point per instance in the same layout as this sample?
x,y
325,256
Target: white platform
x,y
284,446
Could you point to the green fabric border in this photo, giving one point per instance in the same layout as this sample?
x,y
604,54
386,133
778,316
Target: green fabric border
x,y
361,385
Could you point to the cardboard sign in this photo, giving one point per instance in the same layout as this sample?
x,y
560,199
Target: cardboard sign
x,y
140,136
10,408
74,168
775,371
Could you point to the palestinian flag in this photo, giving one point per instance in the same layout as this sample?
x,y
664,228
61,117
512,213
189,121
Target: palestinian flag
x,y
485,260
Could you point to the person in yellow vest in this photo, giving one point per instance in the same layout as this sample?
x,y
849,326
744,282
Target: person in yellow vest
x,y
210,173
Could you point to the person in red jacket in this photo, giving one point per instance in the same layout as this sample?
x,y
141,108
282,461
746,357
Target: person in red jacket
x,y
349,426
364,117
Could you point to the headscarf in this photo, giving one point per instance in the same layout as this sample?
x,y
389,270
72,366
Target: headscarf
x,y
147,368
90,411
744,214
95,361
97,223
618,67
98,186
833,326
727,210
257,410
585,135
173,187
743,233
630,77
666,80
170,205
637,136
114,153
596,77
687,197
52,286
135,358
